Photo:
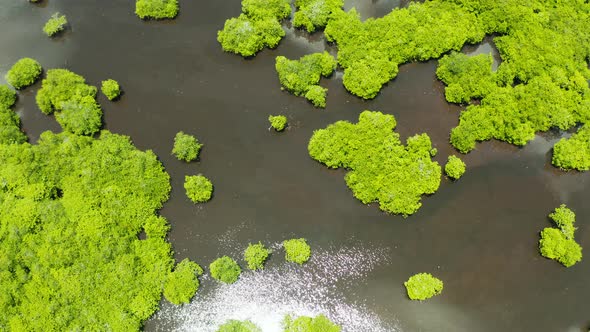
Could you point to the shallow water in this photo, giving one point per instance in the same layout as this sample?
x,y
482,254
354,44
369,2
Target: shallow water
x,y
479,235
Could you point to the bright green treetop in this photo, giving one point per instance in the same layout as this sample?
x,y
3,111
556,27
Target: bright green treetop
x,y
198,188
186,147
455,167
156,9
246,37
225,270
23,73
278,122
423,286
233,325
256,255
7,97
110,88
574,152
297,251
55,25
314,14
558,243
182,284
319,323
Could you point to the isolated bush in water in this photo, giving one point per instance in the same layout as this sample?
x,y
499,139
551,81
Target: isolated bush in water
x,y
314,14
110,88
233,325
558,243
256,255
319,323
574,152
23,73
381,168
198,188
182,284
186,147
157,9
225,270
278,122
246,37
56,24
423,286
297,251
7,97
455,167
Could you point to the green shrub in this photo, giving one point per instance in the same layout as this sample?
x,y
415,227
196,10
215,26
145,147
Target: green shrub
x,y
319,323
317,95
10,132
246,36
24,73
233,325
466,76
110,88
558,243
564,218
297,251
198,188
314,14
278,122
423,286
573,152
455,167
182,284
261,9
59,86
80,115
186,147
381,168
225,270
7,97
55,25
156,9
256,255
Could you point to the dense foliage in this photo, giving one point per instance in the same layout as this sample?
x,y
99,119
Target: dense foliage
x,y
278,122
297,251
186,147
182,284
423,286
256,255
466,76
381,168
573,152
233,325
455,167
23,73
301,77
110,88
198,188
55,24
10,132
72,208
225,270
314,14
7,97
156,9
319,323
256,28
558,243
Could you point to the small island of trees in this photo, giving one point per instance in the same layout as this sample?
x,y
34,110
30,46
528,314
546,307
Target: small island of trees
x,y
558,243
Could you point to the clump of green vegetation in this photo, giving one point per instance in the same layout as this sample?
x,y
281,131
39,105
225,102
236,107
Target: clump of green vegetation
x,y
10,132
233,325
186,147
198,188
455,167
256,28
55,25
573,152
466,76
110,88
319,323
72,211
182,284
558,243
7,97
301,77
278,122
381,168
24,73
80,115
225,270
423,286
297,251
314,14
256,255
156,9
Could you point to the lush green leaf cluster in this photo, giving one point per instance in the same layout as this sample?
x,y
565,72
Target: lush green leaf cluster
x,y
24,73
558,243
156,9
573,152
10,132
297,251
72,208
466,76
55,24
7,97
381,168
256,28
455,167
301,77
233,325
319,323
186,147
423,286
314,14
110,88
182,284
256,255
278,122
225,270
198,188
